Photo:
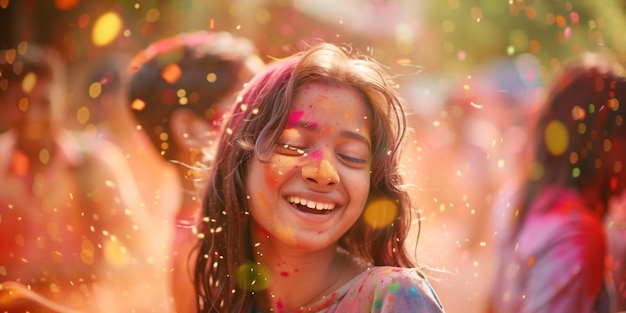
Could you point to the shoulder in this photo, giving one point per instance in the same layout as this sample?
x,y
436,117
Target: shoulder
x,y
392,275
396,289
567,223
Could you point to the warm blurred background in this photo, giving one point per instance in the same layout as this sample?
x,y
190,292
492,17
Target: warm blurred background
x,y
472,71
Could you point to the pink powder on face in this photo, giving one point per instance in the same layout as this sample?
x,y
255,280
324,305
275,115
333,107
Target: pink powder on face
x,y
294,117
316,155
270,180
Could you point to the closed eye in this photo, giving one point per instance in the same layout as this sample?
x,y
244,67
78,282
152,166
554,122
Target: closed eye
x,y
288,149
356,161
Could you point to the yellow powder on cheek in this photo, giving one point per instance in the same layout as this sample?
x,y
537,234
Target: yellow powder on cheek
x,y
285,234
282,232
262,199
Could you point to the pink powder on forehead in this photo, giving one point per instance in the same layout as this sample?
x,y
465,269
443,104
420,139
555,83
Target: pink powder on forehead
x,y
294,117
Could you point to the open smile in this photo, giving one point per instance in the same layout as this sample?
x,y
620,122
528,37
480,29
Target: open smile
x,y
310,206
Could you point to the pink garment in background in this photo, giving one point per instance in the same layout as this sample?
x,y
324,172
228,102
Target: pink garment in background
x,y
556,264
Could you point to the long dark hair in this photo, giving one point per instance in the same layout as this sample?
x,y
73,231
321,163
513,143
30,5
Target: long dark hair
x,y
257,120
581,125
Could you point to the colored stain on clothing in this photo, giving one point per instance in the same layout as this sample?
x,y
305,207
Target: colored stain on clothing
x,y
394,287
381,290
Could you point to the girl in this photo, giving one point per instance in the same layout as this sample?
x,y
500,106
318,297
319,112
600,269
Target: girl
x,y
305,211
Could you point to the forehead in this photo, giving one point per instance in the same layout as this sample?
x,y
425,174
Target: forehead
x,y
330,107
317,97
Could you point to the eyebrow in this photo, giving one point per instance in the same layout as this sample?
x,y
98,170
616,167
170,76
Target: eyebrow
x,y
312,127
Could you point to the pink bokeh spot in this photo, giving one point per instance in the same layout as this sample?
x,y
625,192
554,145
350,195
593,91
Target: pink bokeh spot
x,y
461,55
567,32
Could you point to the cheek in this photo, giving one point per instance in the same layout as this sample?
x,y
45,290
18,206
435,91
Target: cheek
x,y
359,189
279,169
270,177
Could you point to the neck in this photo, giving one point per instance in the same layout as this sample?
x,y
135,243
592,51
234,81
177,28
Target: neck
x,y
297,276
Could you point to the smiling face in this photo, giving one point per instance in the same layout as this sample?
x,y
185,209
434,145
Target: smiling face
x,y
317,180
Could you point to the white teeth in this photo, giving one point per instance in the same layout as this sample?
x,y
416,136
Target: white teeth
x,y
311,204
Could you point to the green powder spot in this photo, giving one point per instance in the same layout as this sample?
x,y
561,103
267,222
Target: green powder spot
x,y
394,287
378,304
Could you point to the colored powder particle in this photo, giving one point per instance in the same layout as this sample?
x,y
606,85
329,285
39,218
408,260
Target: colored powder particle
x,y
106,28
556,137
87,252
171,73
115,253
567,33
574,17
20,164
461,55
138,105
252,276
29,81
380,213
65,4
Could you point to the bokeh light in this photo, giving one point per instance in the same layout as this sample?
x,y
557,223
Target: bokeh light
x,y
253,277
29,82
65,4
380,212
556,137
106,28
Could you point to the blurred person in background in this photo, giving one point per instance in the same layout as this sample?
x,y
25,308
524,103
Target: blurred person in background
x,y
72,231
180,91
616,230
552,246
100,109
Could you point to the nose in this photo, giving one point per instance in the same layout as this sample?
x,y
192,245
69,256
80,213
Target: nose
x,y
320,173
